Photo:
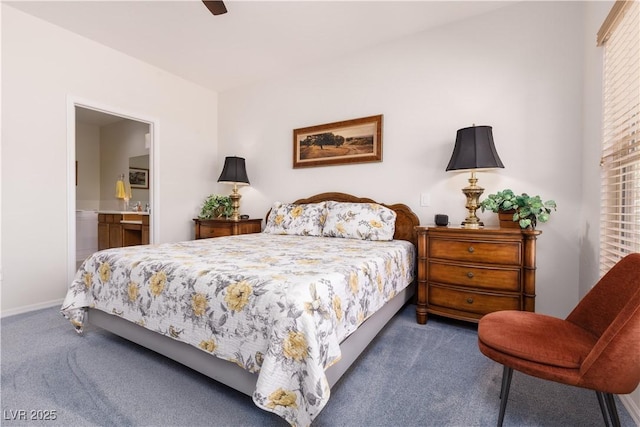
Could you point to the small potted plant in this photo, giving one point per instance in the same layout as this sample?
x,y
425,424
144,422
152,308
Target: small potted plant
x,y
518,210
216,206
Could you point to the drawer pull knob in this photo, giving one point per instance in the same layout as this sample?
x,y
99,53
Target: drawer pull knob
x,y
470,275
471,249
470,300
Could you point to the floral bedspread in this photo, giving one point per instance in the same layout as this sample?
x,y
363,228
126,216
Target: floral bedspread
x,y
276,305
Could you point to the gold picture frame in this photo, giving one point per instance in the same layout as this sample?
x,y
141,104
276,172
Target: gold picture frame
x,y
139,178
346,142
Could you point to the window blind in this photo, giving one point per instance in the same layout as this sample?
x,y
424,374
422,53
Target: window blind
x,y
620,163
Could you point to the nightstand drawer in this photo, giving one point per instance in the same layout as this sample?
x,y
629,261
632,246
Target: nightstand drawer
x,y
208,232
471,302
505,253
477,277
208,228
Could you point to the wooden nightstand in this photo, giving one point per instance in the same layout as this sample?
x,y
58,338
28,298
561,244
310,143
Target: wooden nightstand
x,y
465,274
206,228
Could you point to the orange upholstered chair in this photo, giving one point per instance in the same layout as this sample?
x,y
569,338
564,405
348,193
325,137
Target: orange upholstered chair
x,y
596,347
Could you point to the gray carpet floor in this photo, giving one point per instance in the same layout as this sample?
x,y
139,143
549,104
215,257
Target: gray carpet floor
x,y
411,375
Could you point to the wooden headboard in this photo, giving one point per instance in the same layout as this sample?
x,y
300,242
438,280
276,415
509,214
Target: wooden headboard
x,y
406,219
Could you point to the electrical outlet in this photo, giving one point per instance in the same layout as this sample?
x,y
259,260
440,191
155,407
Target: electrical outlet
x,y
425,199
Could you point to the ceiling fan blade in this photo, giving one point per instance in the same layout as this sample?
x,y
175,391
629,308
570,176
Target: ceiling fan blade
x,y
215,7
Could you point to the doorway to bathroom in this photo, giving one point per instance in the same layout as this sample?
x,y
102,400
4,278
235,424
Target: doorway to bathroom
x,y
113,184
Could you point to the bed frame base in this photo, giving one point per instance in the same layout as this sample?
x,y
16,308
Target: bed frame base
x,y
227,372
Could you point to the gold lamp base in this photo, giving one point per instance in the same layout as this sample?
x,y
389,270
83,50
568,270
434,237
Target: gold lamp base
x,y
473,193
235,204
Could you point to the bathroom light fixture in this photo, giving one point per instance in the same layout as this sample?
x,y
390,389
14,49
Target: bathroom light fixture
x,y
234,172
474,150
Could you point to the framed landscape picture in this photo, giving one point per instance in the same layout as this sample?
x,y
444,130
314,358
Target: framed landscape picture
x,y
139,178
349,141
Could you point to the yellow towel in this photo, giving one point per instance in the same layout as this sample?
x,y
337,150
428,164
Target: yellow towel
x,y
120,192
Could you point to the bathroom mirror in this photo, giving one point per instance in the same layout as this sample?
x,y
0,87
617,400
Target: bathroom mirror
x,y
139,165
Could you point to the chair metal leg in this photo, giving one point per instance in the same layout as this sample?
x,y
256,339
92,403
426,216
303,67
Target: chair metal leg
x,y
613,412
507,373
603,408
506,376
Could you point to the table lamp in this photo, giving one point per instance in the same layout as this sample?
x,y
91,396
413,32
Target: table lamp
x,y
234,172
474,150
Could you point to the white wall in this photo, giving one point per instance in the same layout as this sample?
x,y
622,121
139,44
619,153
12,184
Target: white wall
x,y
88,158
595,14
518,69
43,65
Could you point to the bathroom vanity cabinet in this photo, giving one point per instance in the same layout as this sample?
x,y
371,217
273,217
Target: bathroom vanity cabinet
x,y
118,229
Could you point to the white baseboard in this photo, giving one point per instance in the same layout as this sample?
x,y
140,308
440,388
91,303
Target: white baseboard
x,y
32,307
632,407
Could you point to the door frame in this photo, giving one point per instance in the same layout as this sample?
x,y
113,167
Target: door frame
x,y
154,161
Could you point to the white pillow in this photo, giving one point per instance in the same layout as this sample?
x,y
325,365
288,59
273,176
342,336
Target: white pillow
x,y
301,220
365,221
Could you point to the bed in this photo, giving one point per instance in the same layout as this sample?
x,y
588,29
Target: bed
x,y
278,315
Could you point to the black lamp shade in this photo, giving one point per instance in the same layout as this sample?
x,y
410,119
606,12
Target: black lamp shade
x,y
474,149
234,171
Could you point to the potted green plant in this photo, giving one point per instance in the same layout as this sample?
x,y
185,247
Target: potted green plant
x,y
216,206
518,209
